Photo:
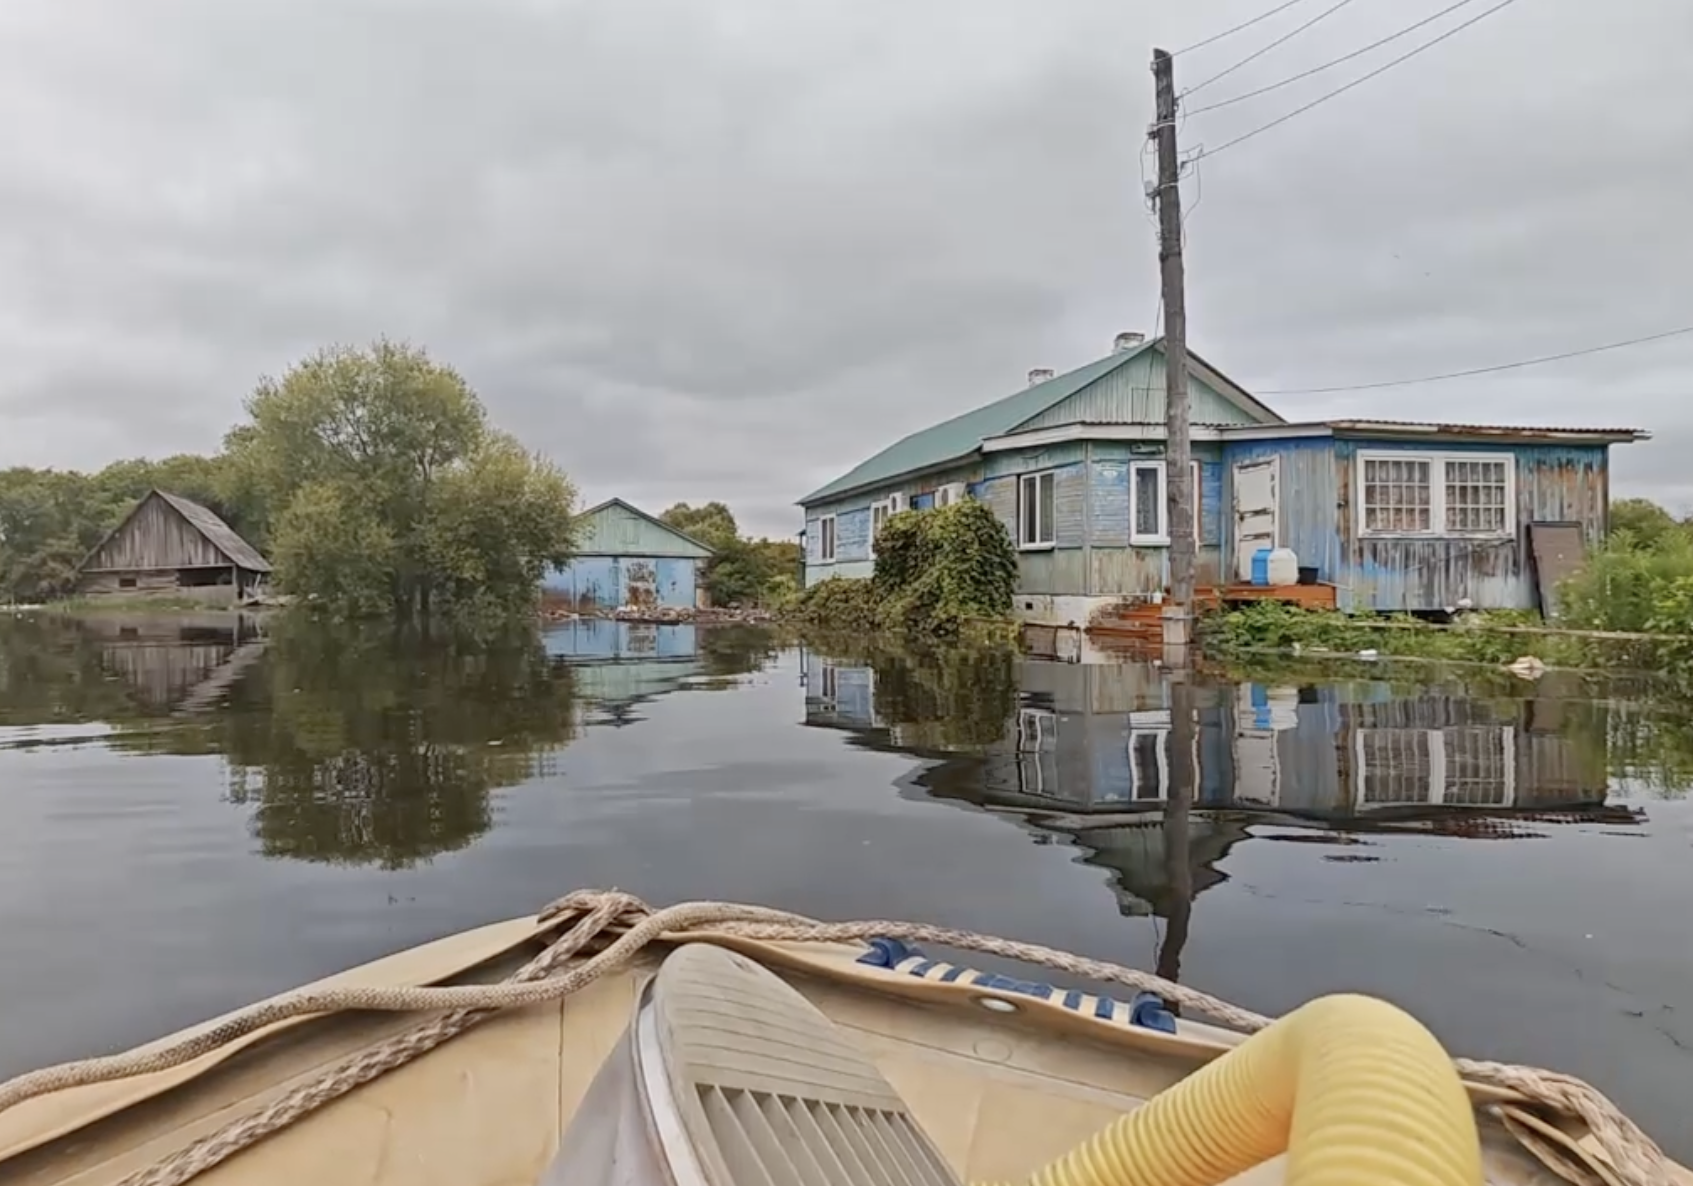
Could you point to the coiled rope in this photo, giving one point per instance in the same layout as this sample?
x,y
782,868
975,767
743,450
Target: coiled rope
x,y
587,915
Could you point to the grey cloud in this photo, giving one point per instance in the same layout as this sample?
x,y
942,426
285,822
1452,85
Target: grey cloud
x,y
701,251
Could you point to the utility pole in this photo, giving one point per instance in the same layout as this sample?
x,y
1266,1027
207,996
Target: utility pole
x,y
1178,616
1182,756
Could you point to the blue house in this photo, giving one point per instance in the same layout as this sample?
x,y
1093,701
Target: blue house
x,y
1391,515
627,557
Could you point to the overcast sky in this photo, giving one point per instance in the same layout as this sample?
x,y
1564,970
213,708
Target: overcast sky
x,y
726,250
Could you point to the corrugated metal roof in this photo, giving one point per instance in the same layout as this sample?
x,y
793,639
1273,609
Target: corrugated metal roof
x,y
1365,423
222,535
958,437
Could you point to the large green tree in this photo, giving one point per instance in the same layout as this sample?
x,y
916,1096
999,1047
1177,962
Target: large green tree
x,y
382,486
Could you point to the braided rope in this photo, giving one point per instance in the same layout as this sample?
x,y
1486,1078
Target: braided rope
x,y
586,915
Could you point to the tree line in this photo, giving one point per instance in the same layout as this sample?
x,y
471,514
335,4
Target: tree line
x,y
371,478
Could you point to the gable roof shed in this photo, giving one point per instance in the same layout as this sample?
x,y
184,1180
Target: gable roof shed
x,y
220,543
617,528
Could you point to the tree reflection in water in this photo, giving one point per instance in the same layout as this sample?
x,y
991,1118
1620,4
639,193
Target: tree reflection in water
x,y
355,747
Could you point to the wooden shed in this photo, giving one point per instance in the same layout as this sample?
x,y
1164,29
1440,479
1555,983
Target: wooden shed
x,y
172,546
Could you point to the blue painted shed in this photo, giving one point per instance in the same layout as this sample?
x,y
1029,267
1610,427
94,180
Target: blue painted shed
x,y
628,557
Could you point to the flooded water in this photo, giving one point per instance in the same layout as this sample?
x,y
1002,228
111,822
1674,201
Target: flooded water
x,y
195,814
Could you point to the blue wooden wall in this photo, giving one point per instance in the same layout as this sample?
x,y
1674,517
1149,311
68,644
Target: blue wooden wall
x,y
606,582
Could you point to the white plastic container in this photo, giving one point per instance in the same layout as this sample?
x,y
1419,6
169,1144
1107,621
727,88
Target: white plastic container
x,y
1284,567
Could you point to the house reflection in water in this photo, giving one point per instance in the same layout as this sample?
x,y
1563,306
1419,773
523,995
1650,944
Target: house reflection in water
x,y
1086,738
1083,755
617,666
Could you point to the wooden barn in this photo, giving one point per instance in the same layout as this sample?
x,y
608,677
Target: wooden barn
x,y
170,546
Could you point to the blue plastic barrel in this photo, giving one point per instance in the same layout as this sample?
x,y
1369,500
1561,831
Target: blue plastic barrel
x,y
1261,566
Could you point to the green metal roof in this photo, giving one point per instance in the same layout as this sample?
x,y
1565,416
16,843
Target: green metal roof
x,y
957,438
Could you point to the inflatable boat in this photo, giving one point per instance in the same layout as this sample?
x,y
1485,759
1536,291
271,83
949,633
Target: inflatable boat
x,y
603,1043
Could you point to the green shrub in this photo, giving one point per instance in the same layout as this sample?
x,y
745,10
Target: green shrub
x,y
939,573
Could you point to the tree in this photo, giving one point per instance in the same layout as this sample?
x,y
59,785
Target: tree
x,y
1645,521
712,524
742,571
380,483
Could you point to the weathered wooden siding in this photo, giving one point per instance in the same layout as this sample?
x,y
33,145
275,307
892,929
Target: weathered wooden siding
x,y
153,584
156,537
615,530
1553,483
1134,394
1307,501
590,583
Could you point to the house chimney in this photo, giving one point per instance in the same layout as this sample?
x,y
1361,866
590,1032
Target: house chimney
x,y
1039,375
1128,340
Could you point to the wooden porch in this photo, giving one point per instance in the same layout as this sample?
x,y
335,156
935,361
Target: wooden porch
x,y
1142,621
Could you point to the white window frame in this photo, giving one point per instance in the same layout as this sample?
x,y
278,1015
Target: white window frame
x,y
1194,478
1037,740
1024,484
1161,538
886,506
831,538
1435,792
1437,461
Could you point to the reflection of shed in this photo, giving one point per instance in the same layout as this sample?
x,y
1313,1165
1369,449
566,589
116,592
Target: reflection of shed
x,y
180,663
618,663
627,557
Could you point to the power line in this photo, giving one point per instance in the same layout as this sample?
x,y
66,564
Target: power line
x,y
1286,37
1506,366
1454,30
1276,86
1243,25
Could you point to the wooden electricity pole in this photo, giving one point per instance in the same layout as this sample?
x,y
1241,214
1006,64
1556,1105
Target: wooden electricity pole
x,y
1178,482
1178,441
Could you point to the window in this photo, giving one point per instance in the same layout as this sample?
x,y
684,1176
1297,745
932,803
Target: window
x,y
1037,743
126,582
1463,765
826,540
1437,494
1149,510
880,513
1035,510
1194,478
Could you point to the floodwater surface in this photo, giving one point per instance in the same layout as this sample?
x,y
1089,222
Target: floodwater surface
x,y
196,814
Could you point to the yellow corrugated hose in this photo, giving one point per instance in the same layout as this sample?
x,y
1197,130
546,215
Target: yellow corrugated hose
x,y
1355,1090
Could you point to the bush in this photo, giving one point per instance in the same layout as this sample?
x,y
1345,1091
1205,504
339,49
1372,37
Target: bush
x,y
939,573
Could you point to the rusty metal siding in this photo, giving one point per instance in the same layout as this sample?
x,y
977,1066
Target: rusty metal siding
x,y
1134,394
1308,498
156,537
1561,483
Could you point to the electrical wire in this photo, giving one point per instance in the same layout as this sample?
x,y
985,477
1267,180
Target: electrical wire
x,y
1243,25
1283,39
1454,30
1276,86
1488,370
